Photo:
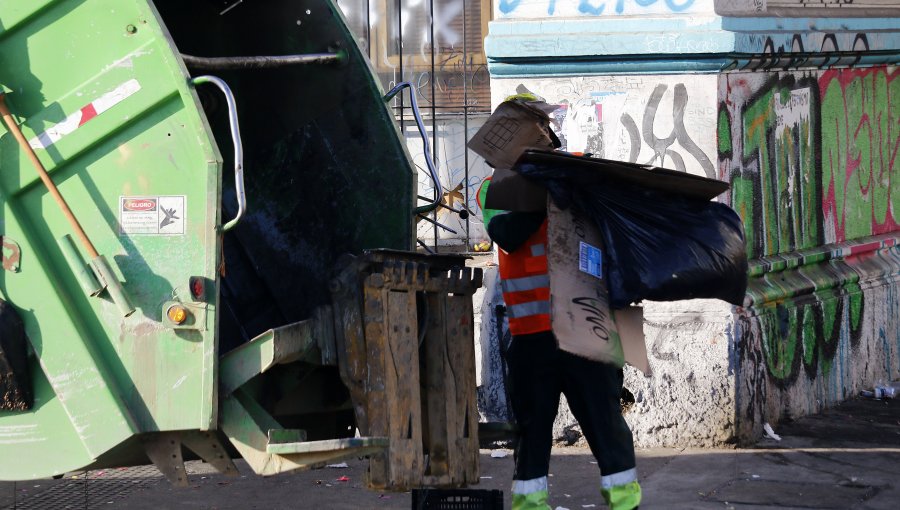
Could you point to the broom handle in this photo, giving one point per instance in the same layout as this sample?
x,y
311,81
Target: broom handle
x,y
42,173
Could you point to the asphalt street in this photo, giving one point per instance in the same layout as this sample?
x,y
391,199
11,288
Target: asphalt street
x,y
847,457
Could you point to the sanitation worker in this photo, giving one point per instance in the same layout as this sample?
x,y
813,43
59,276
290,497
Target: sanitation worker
x,y
539,372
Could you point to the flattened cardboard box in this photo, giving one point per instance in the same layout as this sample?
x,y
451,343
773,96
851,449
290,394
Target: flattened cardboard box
x,y
513,128
582,321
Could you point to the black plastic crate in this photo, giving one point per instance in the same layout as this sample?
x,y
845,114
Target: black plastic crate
x,y
457,499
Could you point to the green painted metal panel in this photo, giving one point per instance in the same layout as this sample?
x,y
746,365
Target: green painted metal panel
x,y
106,103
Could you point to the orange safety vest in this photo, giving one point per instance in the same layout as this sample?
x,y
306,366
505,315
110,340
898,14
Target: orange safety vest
x,y
526,285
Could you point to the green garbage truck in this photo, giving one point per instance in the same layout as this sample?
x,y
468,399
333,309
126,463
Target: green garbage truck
x,y
207,218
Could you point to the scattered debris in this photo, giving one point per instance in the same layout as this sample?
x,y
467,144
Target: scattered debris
x,y
882,391
343,479
771,433
342,465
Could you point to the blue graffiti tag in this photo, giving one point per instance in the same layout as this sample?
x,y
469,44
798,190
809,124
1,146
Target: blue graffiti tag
x,y
590,8
508,6
587,8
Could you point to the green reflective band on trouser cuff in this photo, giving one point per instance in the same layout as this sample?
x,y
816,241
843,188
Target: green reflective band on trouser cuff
x,y
622,497
525,283
528,309
530,494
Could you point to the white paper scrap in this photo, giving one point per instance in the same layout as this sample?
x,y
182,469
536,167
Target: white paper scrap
x,y
771,433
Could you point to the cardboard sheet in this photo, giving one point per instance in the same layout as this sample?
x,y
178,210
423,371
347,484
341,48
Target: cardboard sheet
x,y
582,321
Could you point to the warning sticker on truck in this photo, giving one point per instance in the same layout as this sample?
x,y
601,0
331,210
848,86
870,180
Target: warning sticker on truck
x,y
160,215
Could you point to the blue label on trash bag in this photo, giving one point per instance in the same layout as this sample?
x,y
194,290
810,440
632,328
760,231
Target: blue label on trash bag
x,y
590,260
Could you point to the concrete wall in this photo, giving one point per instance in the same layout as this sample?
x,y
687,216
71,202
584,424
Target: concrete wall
x,y
802,117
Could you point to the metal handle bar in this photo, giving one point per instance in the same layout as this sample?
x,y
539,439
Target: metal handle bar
x,y
438,190
238,147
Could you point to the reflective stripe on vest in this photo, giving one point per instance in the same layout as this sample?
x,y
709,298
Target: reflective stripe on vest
x,y
526,285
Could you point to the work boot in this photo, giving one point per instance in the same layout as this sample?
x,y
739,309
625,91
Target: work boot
x,y
622,497
530,494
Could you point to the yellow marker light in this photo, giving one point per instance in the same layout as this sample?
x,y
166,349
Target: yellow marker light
x,y
177,314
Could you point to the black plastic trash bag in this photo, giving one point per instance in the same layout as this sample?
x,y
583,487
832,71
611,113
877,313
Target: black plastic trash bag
x,y
662,244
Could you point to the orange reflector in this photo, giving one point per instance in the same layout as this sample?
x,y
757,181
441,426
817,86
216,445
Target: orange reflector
x,y
177,314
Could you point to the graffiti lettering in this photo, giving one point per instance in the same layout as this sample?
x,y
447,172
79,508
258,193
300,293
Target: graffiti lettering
x,y
591,125
595,308
816,171
598,7
661,146
860,113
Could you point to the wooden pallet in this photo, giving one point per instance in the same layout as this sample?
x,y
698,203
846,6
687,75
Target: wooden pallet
x,y
406,350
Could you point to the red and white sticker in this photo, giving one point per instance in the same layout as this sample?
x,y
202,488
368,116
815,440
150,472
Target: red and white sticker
x,y
159,215
86,113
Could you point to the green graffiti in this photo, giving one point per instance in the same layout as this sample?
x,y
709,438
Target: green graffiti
x,y
724,133
807,335
810,340
780,342
856,307
860,112
779,143
813,164
742,191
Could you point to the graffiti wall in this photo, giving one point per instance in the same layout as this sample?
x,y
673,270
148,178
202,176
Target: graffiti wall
x,y
811,158
658,120
581,8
